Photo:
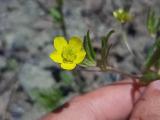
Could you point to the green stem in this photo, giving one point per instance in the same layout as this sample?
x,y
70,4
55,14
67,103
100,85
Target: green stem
x,y
111,69
124,38
60,8
63,24
154,57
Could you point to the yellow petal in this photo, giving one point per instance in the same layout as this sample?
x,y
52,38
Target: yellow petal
x,y
80,56
75,43
59,43
68,66
56,56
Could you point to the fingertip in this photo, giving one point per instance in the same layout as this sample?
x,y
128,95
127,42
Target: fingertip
x,y
154,85
148,107
109,102
113,101
47,117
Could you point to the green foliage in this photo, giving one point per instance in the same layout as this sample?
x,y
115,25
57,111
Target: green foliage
x,y
149,76
56,15
158,65
154,55
105,45
88,63
105,48
153,58
56,12
153,22
88,47
11,64
49,99
66,77
90,53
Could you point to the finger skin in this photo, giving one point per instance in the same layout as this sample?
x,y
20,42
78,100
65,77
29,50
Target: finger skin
x,y
113,102
148,107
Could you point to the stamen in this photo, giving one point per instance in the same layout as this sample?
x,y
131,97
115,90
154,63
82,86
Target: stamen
x,y
68,55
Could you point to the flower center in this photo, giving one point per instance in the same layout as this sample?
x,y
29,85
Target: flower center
x,y
68,55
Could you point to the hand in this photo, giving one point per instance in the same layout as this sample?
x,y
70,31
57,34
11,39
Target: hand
x,y
120,101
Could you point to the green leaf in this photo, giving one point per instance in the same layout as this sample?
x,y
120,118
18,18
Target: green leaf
x,y
49,99
153,59
88,63
153,22
90,53
154,55
149,77
56,14
105,47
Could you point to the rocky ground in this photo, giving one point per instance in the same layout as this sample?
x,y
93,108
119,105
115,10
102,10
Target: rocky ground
x,y
26,37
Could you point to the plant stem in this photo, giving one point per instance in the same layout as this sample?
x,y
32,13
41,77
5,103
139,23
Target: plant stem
x,y
123,73
60,8
124,38
63,24
111,69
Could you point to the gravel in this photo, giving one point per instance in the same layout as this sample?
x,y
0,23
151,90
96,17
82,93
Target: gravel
x,y
26,36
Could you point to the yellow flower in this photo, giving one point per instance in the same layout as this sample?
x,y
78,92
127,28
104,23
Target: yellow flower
x,y
68,54
122,15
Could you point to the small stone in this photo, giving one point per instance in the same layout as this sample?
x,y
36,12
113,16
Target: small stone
x,y
20,42
16,111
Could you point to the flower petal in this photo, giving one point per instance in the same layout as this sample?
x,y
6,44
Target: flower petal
x,y
60,42
75,43
80,56
56,56
68,66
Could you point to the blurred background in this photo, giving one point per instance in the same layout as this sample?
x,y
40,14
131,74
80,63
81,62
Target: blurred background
x,y
30,83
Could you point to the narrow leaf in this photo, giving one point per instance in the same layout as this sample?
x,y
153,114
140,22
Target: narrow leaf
x,y
154,55
105,42
105,47
87,49
153,22
55,13
88,63
92,52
